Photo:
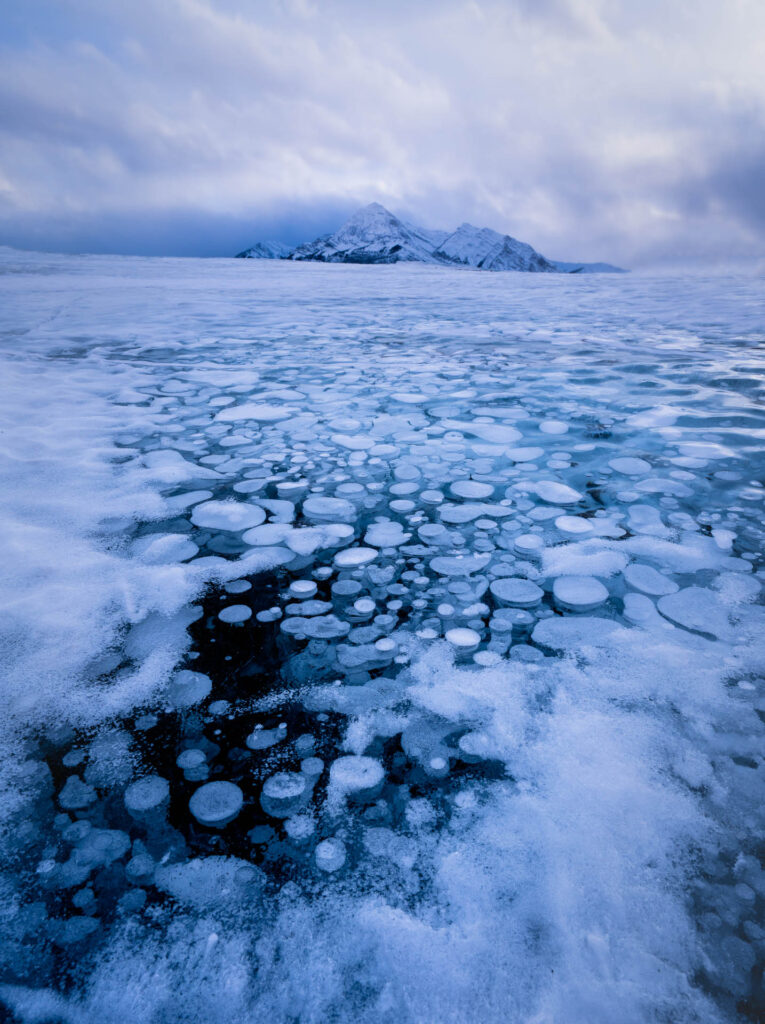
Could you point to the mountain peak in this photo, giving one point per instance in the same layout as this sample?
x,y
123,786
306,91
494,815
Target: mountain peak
x,y
375,235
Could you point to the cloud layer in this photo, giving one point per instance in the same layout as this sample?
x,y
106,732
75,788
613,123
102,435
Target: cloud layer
x,y
594,129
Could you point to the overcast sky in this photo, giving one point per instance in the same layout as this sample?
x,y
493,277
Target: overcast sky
x,y
625,130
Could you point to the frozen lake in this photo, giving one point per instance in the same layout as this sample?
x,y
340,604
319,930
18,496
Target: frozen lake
x,y
380,644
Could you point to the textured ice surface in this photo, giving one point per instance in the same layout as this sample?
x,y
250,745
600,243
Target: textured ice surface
x,y
425,778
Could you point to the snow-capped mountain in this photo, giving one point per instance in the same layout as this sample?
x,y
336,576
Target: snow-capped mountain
x,y
266,251
374,235
488,250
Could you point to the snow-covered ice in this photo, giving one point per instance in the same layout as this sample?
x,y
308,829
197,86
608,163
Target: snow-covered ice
x,y
377,646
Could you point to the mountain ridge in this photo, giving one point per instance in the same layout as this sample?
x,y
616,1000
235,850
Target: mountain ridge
x,y
374,235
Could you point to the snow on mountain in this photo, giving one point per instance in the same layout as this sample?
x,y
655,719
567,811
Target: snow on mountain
x,y
266,251
372,235
488,250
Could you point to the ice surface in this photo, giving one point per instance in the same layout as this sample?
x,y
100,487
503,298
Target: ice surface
x,y
401,472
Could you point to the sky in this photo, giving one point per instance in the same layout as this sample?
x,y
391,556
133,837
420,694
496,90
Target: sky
x,y
631,131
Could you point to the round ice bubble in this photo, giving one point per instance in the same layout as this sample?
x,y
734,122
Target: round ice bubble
x,y
530,545
553,427
573,525
237,586
320,508
330,855
516,593
360,778
525,454
471,489
463,638
188,688
191,758
235,613
302,588
555,493
630,466
216,803
284,794
300,828
76,795
579,593
649,581
147,795
353,557
227,515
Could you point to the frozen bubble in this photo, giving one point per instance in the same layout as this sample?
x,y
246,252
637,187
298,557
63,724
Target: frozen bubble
x,y
147,796
553,427
300,828
320,508
207,882
431,497
516,593
471,489
354,442
285,793
235,613
227,515
352,557
355,777
304,744
573,525
487,659
572,633
697,609
191,758
262,739
525,454
188,688
260,412
466,640
455,565
554,493
140,869
164,548
530,545
386,535
330,855
237,587
630,466
267,534
579,593
325,627
302,588
179,502
649,581
216,803
526,654
641,611
312,767
76,795
647,519
475,747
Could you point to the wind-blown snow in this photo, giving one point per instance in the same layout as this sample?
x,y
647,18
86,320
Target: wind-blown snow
x,y
488,745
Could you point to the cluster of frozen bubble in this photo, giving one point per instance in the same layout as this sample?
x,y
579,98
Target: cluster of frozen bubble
x,y
421,562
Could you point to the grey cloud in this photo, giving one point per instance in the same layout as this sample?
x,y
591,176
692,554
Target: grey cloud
x,y
588,127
